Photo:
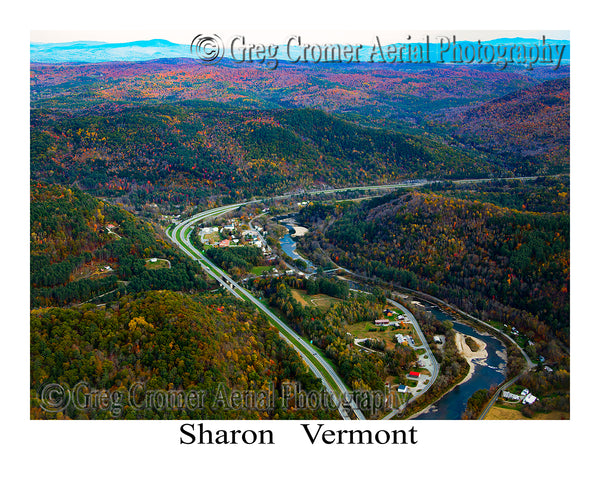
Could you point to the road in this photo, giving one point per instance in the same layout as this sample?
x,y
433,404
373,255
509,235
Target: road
x,y
503,337
434,363
407,184
492,400
319,366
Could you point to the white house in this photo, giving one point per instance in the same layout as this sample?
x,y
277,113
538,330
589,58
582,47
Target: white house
x,y
510,396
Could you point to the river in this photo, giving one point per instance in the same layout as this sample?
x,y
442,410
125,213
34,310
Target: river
x,y
288,245
487,372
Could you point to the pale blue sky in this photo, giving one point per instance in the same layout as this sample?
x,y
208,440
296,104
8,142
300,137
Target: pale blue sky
x,y
279,36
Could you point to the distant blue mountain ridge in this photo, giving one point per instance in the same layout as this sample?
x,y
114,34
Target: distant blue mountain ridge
x,y
145,50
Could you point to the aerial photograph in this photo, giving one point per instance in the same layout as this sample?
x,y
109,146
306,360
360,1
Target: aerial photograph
x,y
279,228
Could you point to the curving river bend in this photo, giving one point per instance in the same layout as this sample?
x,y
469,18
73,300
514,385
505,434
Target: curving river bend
x,y
487,372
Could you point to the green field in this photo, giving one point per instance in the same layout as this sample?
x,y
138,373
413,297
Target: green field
x,y
321,300
213,237
260,269
369,330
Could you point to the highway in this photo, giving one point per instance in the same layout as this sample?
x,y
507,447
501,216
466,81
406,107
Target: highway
x,y
319,366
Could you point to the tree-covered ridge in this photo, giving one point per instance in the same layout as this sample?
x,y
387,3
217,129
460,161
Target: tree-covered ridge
x,y
372,92
82,247
497,263
543,195
165,341
530,125
188,151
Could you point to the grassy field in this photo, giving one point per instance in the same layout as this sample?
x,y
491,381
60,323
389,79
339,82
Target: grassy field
x,y
260,269
501,413
369,330
213,237
160,263
322,301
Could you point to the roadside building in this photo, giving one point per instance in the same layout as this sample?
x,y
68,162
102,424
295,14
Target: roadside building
x,y
510,396
529,399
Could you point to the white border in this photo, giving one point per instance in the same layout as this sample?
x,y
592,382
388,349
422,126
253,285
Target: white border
x,y
150,449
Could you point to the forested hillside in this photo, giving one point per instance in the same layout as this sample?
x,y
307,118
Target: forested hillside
x,y
123,309
114,304
179,132
373,93
530,127
501,264
543,195
186,152
82,247
165,341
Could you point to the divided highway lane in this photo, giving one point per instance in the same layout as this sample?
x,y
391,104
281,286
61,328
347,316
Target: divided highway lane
x,y
180,235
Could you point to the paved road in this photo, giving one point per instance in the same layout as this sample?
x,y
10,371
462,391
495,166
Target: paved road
x,y
492,401
406,184
435,300
430,298
434,363
180,235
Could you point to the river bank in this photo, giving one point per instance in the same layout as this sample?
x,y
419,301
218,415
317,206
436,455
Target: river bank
x,y
487,367
469,355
